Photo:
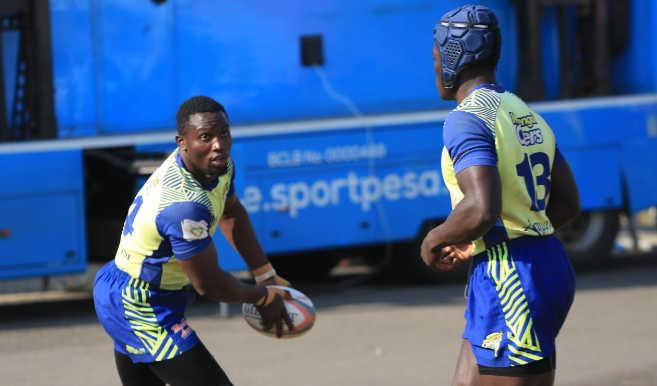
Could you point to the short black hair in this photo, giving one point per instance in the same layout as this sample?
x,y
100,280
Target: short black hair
x,y
193,105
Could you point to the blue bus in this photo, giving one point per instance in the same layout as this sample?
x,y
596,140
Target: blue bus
x,y
334,113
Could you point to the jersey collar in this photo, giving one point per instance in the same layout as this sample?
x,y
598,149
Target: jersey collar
x,y
495,87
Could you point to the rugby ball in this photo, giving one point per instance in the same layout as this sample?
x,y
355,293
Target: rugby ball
x,y
300,309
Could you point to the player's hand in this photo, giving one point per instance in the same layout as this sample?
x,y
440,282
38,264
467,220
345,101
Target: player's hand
x,y
266,275
276,280
432,256
457,254
272,310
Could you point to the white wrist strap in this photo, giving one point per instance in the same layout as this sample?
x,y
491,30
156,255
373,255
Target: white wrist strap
x,y
265,276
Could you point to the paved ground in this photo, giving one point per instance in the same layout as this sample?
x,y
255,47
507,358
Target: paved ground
x,y
370,334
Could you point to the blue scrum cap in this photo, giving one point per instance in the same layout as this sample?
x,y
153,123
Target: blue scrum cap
x,y
465,36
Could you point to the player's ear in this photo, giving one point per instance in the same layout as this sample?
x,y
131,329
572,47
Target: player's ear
x,y
180,140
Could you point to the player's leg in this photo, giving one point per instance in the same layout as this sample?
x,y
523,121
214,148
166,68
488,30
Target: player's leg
x,y
467,373
135,374
545,379
538,373
195,367
524,289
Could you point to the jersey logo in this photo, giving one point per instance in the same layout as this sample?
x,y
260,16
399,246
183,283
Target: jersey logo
x,y
527,121
493,341
194,230
540,228
527,138
182,328
133,350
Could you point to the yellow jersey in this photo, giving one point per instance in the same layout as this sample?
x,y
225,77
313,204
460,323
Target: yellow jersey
x,y
494,127
173,217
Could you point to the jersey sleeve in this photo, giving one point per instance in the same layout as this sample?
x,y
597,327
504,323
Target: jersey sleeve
x,y
469,141
186,225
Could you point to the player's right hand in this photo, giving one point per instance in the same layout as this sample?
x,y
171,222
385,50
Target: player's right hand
x,y
272,310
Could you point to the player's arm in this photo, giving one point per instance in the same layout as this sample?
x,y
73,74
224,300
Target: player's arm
x,y
236,227
563,205
474,215
211,281
470,144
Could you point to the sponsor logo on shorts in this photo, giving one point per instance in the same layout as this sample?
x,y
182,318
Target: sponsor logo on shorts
x,y
133,350
492,341
182,328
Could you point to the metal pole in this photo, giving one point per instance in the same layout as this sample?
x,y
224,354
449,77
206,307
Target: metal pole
x,y
224,311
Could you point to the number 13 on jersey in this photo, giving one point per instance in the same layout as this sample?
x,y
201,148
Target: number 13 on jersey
x,y
526,169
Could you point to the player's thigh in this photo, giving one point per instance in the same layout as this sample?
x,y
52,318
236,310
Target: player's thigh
x,y
195,367
545,379
135,374
467,372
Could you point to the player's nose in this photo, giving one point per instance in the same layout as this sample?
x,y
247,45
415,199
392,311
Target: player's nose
x,y
217,144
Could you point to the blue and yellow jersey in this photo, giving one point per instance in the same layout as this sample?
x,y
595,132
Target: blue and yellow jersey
x,y
173,217
496,128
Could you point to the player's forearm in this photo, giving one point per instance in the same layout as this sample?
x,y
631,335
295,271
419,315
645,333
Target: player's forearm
x,y
236,227
227,288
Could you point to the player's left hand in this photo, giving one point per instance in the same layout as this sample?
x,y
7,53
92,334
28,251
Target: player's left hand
x,y
444,259
273,311
432,256
457,254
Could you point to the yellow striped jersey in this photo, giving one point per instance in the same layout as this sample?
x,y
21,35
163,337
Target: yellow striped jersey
x,y
173,217
494,127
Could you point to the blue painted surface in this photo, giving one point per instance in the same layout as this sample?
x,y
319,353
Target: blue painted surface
x,y
42,208
123,67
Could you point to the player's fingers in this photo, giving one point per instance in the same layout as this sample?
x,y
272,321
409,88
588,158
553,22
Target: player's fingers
x,y
447,251
280,281
288,321
279,324
441,266
266,324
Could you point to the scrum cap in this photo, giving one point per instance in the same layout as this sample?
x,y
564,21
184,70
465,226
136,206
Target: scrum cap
x,y
465,36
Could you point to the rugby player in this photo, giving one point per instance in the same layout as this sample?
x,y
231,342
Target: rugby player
x,y
140,296
511,188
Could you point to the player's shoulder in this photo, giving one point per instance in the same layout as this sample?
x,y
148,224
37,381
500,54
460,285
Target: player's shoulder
x,y
482,99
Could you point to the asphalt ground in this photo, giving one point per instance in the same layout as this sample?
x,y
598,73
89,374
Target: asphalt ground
x,y
369,331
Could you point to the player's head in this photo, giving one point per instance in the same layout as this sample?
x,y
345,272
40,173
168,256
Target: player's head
x,y
193,105
466,36
204,139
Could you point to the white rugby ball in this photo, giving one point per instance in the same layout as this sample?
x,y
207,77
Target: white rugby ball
x,y
300,309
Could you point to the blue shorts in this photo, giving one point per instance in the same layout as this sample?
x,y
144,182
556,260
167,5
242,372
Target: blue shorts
x,y
146,323
519,295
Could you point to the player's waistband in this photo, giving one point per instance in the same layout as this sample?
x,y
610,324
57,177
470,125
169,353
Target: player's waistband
x,y
117,272
533,240
122,275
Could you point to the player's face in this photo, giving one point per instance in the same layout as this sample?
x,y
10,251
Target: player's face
x,y
437,67
206,145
